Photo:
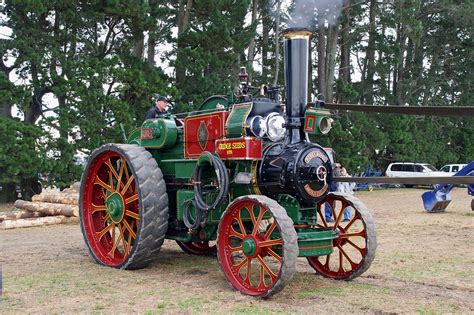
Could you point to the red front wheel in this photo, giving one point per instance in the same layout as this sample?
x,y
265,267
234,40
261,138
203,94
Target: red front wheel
x,y
354,248
123,206
257,246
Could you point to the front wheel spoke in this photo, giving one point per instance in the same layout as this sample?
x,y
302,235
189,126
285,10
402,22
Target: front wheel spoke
x,y
341,269
242,263
360,249
129,228
101,183
341,250
347,235
261,273
339,218
106,217
347,227
275,255
270,243
241,224
104,231
131,199
235,249
323,218
131,214
234,233
270,230
252,214
328,257
272,275
249,270
259,219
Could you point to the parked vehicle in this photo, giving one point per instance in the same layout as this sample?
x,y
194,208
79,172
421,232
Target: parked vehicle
x,y
401,169
452,168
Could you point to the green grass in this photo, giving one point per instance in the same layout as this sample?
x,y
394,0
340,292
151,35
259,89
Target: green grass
x,y
192,304
256,309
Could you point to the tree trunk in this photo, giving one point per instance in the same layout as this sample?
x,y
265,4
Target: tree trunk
x,y
277,43
151,48
184,15
345,64
333,34
322,61
251,52
399,88
48,208
266,27
368,83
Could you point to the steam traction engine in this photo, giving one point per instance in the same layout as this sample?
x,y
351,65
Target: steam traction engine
x,y
240,172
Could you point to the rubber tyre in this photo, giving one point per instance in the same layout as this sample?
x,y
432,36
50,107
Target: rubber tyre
x,y
370,237
152,199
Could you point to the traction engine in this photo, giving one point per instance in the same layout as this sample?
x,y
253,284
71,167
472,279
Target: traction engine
x,y
238,178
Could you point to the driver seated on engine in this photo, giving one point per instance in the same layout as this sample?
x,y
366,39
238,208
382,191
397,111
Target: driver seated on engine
x,y
159,109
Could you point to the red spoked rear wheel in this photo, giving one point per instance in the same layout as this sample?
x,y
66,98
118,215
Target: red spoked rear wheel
x,y
354,248
204,248
117,190
257,245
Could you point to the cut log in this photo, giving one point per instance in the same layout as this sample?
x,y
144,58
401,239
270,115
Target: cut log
x,y
57,197
48,208
21,223
74,188
19,214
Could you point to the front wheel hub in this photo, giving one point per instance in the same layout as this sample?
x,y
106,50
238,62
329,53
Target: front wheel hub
x,y
249,247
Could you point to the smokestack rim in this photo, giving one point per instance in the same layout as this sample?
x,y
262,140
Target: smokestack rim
x,y
296,32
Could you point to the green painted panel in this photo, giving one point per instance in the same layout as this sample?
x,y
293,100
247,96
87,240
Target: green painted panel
x,y
134,137
163,131
214,102
236,122
315,242
292,207
313,117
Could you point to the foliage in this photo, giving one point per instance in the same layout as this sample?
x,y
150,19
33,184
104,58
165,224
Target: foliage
x,y
98,61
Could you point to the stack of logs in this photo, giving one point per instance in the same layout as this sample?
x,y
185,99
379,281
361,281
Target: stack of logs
x,y
49,207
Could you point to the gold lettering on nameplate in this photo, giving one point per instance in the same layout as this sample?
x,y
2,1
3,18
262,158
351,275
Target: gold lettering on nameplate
x,y
315,193
315,154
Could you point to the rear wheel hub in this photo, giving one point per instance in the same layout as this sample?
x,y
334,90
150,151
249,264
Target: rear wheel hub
x,y
115,207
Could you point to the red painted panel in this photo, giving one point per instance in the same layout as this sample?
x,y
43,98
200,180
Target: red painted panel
x,y
247,148
146,133
202,131
309,123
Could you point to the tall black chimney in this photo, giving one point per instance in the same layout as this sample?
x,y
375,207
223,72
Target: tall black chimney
x,y
296,47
